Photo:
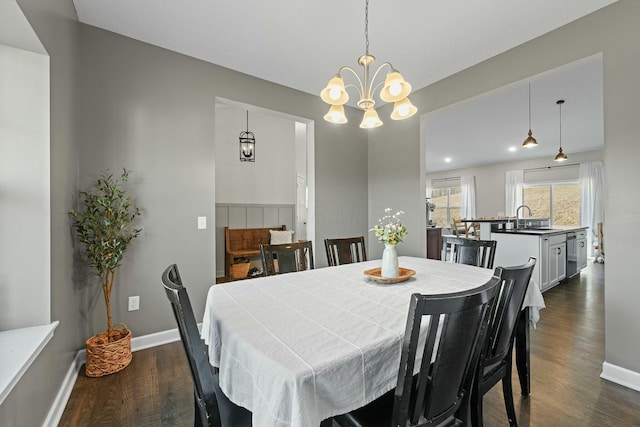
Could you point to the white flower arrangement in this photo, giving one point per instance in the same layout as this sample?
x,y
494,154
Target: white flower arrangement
x,y
389,229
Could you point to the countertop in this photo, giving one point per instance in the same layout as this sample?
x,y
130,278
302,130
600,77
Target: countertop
x,y
540,231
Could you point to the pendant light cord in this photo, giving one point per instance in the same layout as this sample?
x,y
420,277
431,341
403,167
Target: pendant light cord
x,y
247,121
561,123
529,106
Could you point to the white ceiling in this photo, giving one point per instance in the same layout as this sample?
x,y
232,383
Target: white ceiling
x,y
481,130
301,44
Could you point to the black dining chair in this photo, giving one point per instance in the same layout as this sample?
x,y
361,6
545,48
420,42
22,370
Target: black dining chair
x,y
480,253
212,406
452,328
496,358
286,257
345,250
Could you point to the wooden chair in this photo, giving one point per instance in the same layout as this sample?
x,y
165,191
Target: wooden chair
x,y
438,394
460,229
286,258
480,253
496,358
212,407
345,251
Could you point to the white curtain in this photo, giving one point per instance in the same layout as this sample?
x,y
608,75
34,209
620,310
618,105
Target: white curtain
x,y
513,185
591,199
468,202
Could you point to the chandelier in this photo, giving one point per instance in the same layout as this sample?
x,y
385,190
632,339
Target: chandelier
x,y
395,90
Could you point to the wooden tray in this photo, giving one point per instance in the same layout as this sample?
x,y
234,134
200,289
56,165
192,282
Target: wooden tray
x,y
403,274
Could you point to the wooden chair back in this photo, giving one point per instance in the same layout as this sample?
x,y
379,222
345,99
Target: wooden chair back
x,y
480,253
286,258
345,250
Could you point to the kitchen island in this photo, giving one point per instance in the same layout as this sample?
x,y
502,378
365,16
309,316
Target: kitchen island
x,y
561,252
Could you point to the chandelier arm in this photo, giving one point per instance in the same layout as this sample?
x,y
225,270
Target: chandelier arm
x,y
373,79
361,88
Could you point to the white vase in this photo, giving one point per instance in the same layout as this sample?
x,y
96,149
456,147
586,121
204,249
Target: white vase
x,y
389,268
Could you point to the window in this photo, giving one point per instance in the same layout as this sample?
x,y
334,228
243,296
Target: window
x,y
447,201
559,201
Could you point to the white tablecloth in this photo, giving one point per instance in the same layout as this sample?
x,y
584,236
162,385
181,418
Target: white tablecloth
x,y
300,347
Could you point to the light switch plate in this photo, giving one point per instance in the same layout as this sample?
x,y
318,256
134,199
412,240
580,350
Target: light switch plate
x,y
134,303
202,222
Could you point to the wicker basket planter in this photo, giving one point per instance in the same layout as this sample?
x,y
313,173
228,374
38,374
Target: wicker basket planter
x,y
104,357
240,270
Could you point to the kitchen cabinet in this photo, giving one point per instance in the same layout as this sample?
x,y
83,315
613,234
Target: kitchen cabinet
x,y
548,247
557,260
581,249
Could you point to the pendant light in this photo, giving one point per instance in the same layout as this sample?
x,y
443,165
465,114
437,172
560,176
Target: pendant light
x,y
530,141
247,144
560,157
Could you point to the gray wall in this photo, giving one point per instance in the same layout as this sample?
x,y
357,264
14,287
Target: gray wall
x,y
612,31
153,111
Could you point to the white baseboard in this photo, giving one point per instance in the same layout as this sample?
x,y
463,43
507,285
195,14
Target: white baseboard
x,y
622,376
137,343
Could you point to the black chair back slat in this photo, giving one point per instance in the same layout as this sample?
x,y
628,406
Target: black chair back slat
x,y
286,258
212,407
495,362
480,253
345,250
515,281
449,357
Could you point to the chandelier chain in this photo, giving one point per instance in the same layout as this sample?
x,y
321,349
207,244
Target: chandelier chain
x,y
366,27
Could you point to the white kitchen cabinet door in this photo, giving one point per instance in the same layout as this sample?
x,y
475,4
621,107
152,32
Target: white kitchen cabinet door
x,y
582,253
543,264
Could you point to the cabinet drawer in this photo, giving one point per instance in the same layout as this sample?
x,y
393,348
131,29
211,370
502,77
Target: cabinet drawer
x,y
557,238
581,234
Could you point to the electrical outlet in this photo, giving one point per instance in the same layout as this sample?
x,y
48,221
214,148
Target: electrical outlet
x,y
134,303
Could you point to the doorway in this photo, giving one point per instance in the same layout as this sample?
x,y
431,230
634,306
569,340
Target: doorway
x,y
277,188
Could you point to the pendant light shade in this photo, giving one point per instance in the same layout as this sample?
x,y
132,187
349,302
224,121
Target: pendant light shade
x,y
395,87
403,109
530,141
560,157
336,114
335,92
370,119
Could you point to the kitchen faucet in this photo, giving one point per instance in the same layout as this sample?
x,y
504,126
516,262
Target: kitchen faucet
x,y
518,215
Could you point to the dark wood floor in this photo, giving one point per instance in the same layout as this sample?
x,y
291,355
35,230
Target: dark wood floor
x,y
567,351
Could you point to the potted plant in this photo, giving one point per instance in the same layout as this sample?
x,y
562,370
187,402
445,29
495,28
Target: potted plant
x,y
103,223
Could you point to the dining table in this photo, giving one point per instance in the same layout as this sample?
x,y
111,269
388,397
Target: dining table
x,y
298,348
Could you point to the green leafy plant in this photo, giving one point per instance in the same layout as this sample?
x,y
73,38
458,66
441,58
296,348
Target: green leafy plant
x,y
103,223
389,229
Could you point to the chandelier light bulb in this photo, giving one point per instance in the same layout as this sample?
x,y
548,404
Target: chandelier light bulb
x,y
334,93
395,88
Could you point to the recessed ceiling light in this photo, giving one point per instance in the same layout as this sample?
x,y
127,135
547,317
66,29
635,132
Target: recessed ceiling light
x,y
447,159
512,149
